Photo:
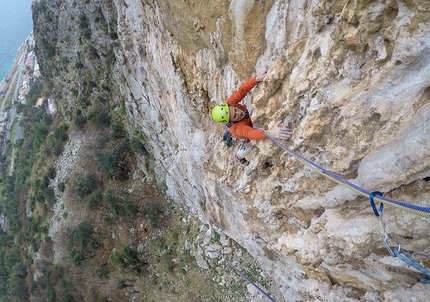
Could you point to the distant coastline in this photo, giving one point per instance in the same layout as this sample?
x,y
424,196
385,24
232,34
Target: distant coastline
x,y
15,62
15,27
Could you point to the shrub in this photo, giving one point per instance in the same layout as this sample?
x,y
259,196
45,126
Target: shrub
x,y
51,173
34,245
94,198
112,163
50,294
166,263
117,131
80,121
61,186
61,133
77,259
137,146
130,254
113,35
80,237
114,258
113,202
130,209
65,295
33,287
110,57
56,273
103,272
82,21
152,211
99,117
48,194
86,33
86,186
44,183
107,220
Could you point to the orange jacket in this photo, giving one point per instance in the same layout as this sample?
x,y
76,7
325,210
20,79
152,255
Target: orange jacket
x,y
243,128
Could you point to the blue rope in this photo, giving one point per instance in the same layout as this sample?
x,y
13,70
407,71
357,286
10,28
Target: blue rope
x,y
247,279
418,210
422,211
408,259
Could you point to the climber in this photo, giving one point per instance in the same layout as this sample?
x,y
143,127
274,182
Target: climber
x,y
236,116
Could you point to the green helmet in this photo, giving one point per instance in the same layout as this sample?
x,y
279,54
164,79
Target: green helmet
x,y
221,113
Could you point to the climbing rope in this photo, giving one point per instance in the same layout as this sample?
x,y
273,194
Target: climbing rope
x,y
417,210
376,195
247,279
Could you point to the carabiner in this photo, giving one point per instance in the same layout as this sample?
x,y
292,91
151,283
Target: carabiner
x,y
385,239
372,202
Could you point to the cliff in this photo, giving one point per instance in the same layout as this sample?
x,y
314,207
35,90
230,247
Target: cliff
x,y
350,78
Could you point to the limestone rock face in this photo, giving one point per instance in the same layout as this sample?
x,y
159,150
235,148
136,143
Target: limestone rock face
x,y
350,77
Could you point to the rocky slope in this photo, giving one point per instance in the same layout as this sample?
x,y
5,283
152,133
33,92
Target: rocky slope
x,y
349,77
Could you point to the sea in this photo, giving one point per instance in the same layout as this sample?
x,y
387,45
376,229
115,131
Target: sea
x,y
16,24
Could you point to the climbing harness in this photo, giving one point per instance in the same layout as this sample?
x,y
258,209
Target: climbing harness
x,y
227,138
247,279
376,195
243,149
397,251
418,210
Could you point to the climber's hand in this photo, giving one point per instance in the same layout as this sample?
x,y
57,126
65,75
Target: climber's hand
x,y
261,74
279,131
